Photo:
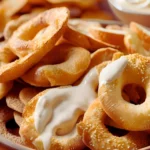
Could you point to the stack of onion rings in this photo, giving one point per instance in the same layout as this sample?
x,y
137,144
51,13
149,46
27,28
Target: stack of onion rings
x,y
29,49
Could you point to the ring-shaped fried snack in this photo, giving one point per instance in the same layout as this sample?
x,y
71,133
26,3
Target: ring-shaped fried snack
x,y
102,55
5,56
33,40
26,94
113,37
6,15
12,25
83,38
63,65
117,27
82,25
4,21
62,129
136,45
97,136
5,88
13,9
137,39
62,139
142,32
35,34
13,101
18,118
6,114
130,69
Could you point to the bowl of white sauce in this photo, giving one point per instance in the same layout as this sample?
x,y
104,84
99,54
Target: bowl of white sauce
x,y
131,10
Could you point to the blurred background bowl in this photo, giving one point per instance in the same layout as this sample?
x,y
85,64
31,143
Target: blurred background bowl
x,y
126,16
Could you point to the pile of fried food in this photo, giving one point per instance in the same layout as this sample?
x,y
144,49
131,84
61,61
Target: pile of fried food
x,y
72,84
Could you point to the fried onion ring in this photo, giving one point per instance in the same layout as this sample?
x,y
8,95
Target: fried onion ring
x,y
130,69
97,137
101,55
83,38
6,114
13,101
6,15
33,40
26,94
113,37
137,39
5,88
55,100
13,9
67,141
142,32
5,56
12,25
63,65
18,118
135,45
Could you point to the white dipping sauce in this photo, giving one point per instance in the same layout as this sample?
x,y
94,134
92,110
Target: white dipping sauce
x,y
60,108
113,70
139,6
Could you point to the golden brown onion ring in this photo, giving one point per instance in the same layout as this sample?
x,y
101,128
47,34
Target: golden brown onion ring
x,y
97,136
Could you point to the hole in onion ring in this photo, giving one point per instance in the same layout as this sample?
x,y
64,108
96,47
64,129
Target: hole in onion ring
x,y
1,38
134,93
116,131
56,59
32,32
12,127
